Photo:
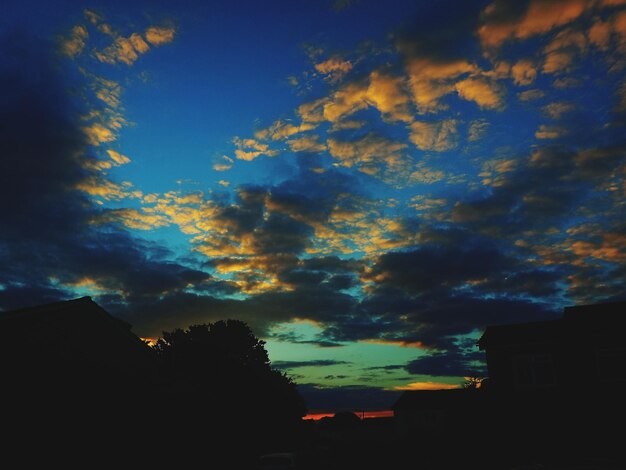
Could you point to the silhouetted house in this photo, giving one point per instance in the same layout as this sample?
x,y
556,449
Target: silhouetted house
x,y
72,348
583,350
436,412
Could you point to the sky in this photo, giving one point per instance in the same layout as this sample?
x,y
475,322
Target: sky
x,y
367,184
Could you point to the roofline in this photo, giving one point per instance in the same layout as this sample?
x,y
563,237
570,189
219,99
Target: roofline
x,y
51,305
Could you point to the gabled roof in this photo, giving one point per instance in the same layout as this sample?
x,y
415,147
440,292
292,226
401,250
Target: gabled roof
x,y
76,339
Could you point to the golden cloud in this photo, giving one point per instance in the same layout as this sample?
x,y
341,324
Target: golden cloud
x,y
308,143
426,175
562,50
484,92
541,17
335,68
98,133
118,158
550,132
369,153
427,386
283,129
387,94
226,164
437,135
133,219
524,72
75,43
249,149
431,80
345,101
493,171
158,35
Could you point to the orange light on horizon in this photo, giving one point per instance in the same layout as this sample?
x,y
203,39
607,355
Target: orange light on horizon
x,y
360,414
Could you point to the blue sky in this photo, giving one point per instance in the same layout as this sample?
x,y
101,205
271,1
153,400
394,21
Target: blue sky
x,y
368,186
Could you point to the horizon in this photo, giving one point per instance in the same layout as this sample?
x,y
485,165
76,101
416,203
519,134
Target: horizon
x,y
367,186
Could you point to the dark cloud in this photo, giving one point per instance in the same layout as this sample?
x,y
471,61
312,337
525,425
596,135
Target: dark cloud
x,y
434,266
348,398
449,364
312,363
48,243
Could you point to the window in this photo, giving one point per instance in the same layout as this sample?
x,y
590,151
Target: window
x,y
533,370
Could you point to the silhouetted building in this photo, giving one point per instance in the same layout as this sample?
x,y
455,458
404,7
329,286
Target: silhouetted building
x,y
583,350
71,348
436,412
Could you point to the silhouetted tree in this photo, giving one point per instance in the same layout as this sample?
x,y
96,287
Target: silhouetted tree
x,y
223,372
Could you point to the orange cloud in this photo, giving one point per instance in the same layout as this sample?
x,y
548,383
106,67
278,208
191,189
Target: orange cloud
x,y
345,101
485,93
427,386
387,94
430,80
75,44
437,136
541,17
335,68
309,143
249,149
524,72
98,133
226,164
159,35
550,132
562,50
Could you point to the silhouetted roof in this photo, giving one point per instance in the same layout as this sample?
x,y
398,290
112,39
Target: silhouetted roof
x,y
582,320
436,399
76,338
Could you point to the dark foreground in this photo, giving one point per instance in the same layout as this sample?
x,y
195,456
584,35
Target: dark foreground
x,y
101,431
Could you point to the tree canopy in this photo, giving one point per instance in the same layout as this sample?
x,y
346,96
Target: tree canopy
x,y
224,369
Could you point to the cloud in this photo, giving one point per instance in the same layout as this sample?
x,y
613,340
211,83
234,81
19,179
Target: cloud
x,y
507,19
225,163
349,398
249,149
556,109
550,132
126,50
477,130
388,94
437,136
75,43
334,68
308,143
486,93
159,35
431,80
562,50
427,386
311,363
49,242
524,72
450,364
371,154
530,95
